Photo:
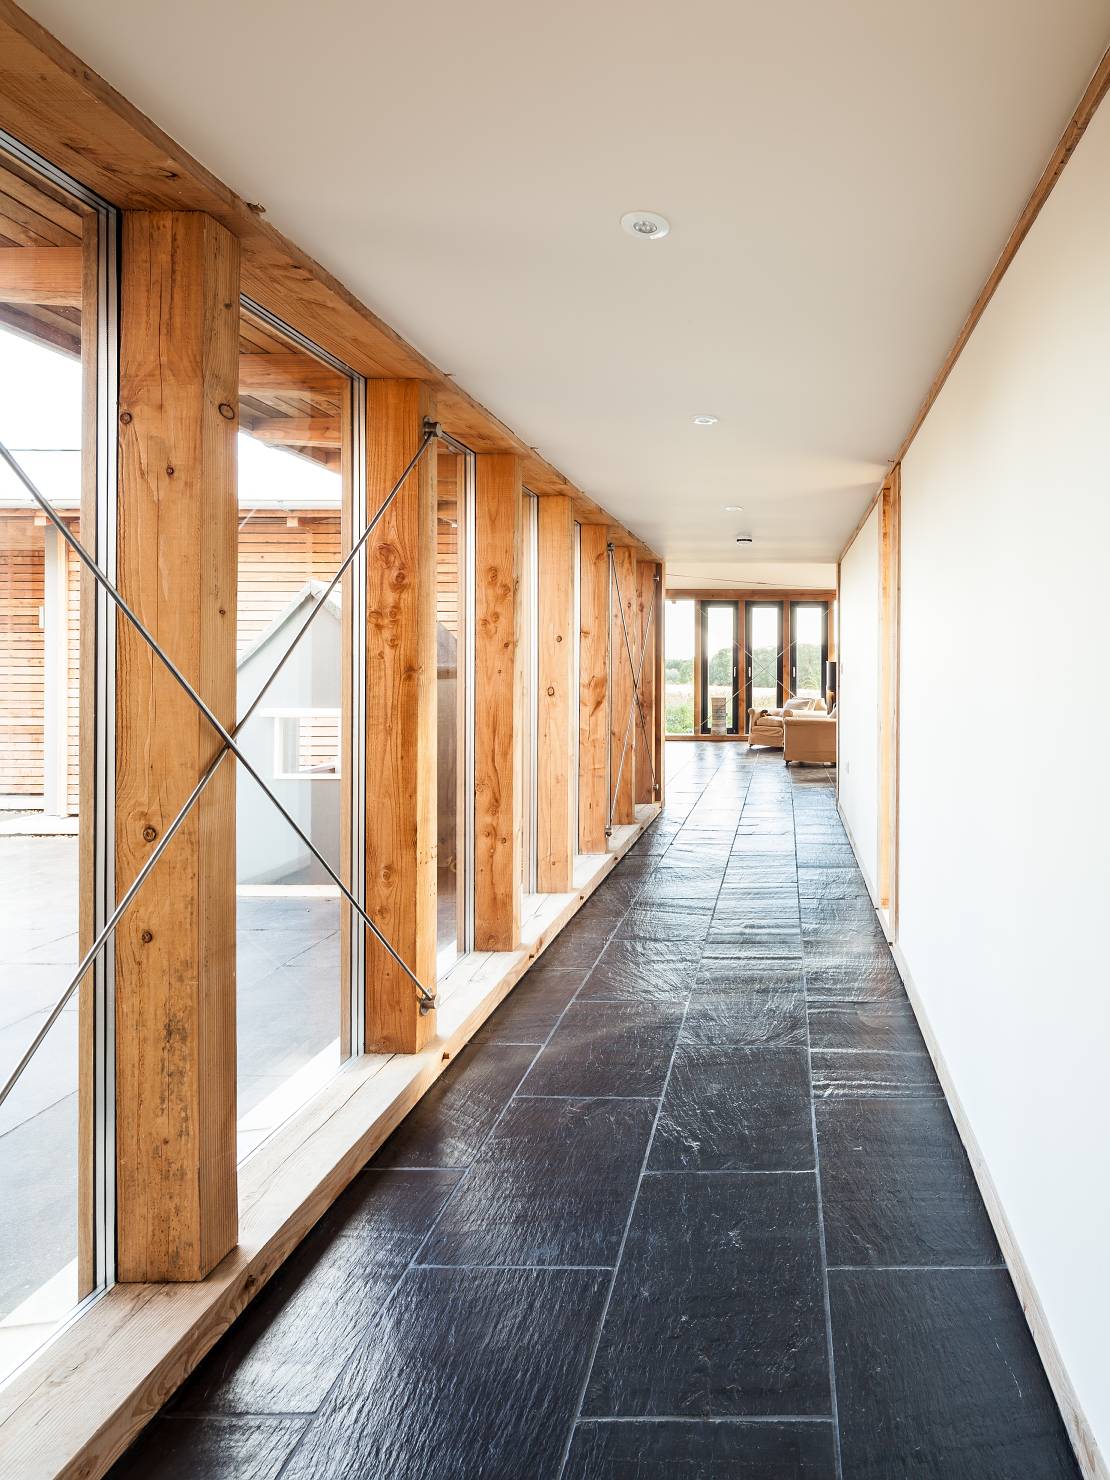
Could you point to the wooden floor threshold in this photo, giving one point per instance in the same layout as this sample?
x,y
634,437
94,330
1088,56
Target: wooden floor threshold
x,y
76,1406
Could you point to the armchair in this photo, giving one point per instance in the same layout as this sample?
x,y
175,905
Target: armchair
x,y
810,737
765,726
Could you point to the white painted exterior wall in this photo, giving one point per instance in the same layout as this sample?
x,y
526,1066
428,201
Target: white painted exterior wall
x,y
857,699
1004,837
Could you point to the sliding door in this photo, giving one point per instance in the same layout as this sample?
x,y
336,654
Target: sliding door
x,y
764,655
809,649
720,669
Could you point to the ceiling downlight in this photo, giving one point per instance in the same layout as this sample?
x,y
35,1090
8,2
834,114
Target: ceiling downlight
x,y
647,225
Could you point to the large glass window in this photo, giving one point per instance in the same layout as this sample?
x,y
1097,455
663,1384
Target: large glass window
x,y
56,395
764,654
809,648
454,599
293,976
720,668
678,665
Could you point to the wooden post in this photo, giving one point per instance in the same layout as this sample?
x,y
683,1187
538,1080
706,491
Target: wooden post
x,y
400,719
890,533
648,601
593,690
498,656
660,731
557,843
175,947
625,740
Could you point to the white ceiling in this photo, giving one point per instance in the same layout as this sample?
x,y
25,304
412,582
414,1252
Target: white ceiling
x,y
840,178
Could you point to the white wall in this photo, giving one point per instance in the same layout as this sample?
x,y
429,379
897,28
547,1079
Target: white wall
x,y
1005,718
857,699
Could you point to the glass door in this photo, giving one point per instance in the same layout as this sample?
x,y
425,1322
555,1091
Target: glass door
x,y
678,665
720,668
809,649
764,656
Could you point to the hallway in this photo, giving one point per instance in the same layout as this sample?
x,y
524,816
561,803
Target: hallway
x,y
690,1204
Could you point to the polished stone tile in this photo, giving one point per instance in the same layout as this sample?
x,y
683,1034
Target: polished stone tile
x,y
938,1379
579,947
700,1450
897,1187
608,1048
192,1447
754,941
554,1185
287,1348
644,923
447,1127
856,980
727,974
470,1372
881,1075
718,1307
532,1008
642,971
730,1109
884,1024
770,1016
673,891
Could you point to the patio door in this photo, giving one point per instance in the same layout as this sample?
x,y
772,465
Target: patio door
x,y
720,668
809,649
763,656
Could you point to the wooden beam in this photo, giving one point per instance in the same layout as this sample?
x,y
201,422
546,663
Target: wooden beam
x,y
557,704
298,431
649,599
498,659
401,720
53,101
625,739
661,685
175,947
593,689
287,374
50,276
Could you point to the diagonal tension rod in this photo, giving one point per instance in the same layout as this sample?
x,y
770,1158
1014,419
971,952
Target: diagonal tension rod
x,y
636,707
228,745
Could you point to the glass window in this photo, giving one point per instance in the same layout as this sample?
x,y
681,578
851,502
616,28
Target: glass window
x,y
720,668
454,544
293,982
55,1237
808,649
678,664
764,654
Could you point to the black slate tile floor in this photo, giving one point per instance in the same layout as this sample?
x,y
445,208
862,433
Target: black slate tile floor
x,y
690,1204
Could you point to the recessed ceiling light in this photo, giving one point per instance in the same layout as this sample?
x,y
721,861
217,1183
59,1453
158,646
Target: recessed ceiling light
x,y
706,421
646,224
734,508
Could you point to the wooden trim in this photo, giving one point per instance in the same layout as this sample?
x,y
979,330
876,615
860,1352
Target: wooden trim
x,y
498,678
593,689
745,593
860,522
624,739
175,947
557,824
400,719
660,716
1069,139
52,101
75,1407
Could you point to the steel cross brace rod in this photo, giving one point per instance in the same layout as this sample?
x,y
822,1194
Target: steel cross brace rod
x,y
228,745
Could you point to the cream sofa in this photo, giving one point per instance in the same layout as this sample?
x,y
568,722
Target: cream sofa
x,y
810,737
765,726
